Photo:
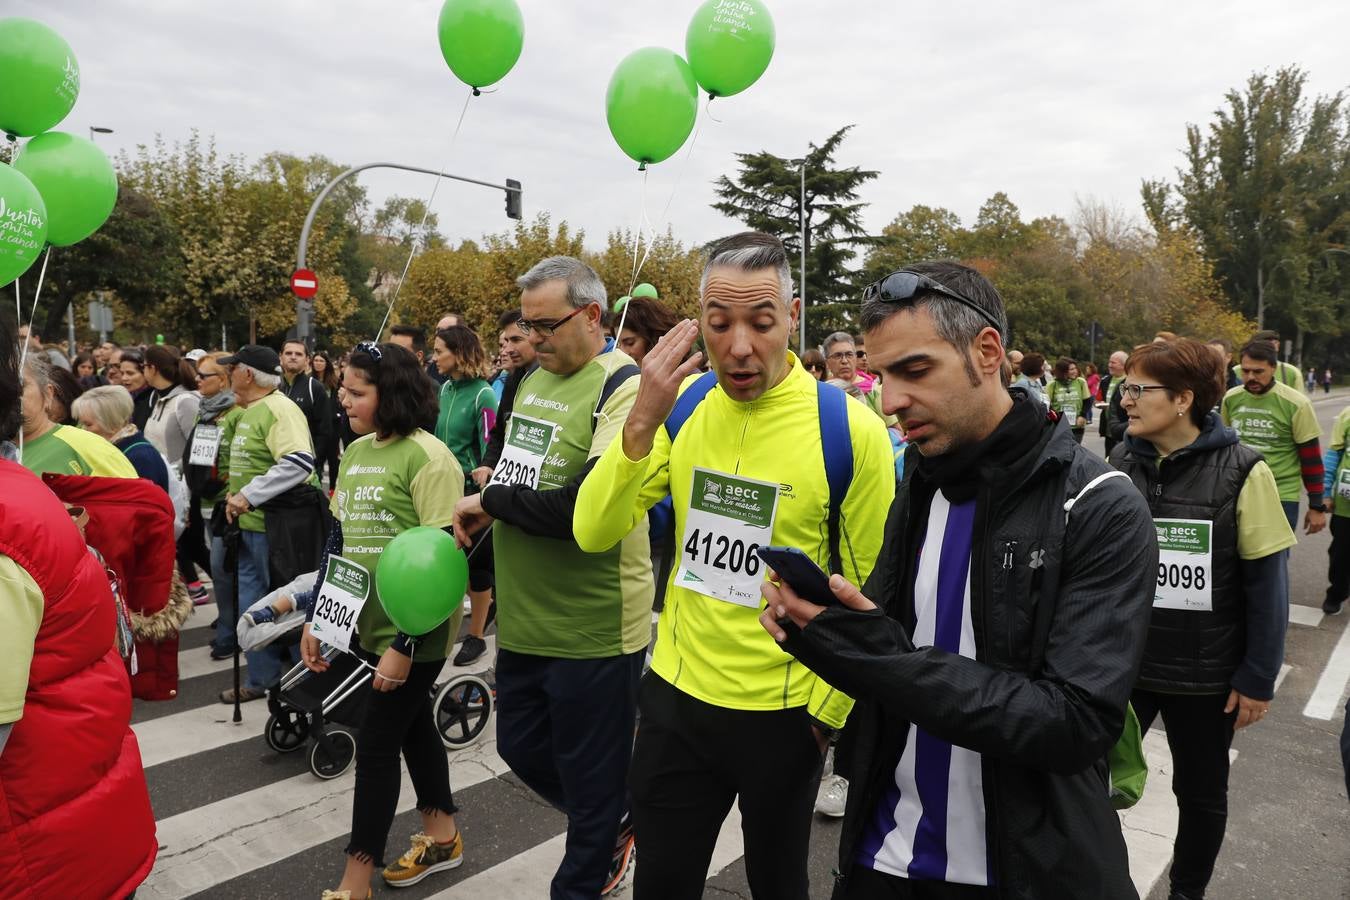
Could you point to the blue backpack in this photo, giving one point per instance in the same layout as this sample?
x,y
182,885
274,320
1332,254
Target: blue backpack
x,y
831,404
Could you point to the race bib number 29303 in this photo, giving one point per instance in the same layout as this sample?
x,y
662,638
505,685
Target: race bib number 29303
x,y
524,451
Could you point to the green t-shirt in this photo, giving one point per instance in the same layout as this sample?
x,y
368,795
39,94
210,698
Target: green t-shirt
x,y
1066,398
460,423
383,489
73,451
553,599
1340,436
1274,423
269,428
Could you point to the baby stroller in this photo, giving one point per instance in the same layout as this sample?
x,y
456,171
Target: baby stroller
x,y
324,708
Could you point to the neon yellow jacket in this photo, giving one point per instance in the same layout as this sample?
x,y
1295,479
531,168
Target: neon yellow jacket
x,y
717,651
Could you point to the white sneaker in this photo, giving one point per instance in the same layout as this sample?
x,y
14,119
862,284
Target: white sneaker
x,y
833,796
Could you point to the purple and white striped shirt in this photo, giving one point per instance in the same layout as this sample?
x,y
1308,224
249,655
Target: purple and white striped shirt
x,y
930,824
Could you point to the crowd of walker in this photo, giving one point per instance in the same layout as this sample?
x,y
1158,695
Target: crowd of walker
x,y
1004,602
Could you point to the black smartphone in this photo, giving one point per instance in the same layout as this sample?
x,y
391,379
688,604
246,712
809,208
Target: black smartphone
x,y
801,572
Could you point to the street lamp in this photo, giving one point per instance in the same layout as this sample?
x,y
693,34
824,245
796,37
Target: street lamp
x,y
98,129
801,237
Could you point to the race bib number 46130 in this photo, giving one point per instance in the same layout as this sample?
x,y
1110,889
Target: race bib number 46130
x,y
1185,565
729,518
524,451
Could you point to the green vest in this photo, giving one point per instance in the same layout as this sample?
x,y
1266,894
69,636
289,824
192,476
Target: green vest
x,y
553,598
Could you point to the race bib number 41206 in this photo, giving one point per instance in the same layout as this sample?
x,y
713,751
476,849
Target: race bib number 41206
x,y
1185,565
729,518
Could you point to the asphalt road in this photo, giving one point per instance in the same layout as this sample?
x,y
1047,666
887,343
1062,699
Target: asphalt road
x,y
237,820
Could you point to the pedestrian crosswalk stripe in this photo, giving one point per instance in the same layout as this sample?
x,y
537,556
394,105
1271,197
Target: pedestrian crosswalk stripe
x,y
1326,697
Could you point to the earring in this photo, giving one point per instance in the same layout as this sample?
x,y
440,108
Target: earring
x,y
1180,413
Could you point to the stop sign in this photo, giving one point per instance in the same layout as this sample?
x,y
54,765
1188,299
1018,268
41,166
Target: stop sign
x,y
304,284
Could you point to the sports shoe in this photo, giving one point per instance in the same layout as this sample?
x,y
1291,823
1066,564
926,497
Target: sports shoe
x,y
1332,607
222,653
198,592
260,616
624,852
343,895
833,796
246,694
423,858
472,648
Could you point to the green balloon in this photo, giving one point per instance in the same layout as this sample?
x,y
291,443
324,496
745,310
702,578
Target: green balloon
x,y
23,223
421,579
76,180
646,290
621,303
651,104
39,77
729,45
481,39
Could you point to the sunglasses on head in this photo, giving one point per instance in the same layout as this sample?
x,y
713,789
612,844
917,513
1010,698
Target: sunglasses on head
x,y
904,286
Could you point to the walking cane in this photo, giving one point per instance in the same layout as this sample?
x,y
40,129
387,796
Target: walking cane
x,y
232,566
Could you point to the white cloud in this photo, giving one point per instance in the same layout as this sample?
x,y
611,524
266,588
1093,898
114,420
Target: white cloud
x,y
952,101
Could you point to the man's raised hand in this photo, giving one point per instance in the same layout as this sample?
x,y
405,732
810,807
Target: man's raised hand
x,y
664,369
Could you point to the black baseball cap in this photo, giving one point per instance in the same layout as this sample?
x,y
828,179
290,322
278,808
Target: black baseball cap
x,y
264,359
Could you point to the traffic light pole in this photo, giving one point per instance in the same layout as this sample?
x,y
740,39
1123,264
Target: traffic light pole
x,y
304,308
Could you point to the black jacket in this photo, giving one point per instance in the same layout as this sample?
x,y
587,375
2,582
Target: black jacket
x,y
311,396
1113,420
1192,652
1059,616
297,524
497,437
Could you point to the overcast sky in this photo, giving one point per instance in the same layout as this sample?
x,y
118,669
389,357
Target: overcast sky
x,y
952,100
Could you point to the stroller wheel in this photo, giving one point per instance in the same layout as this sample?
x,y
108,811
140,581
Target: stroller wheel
x,y
462,709
328,765
286,730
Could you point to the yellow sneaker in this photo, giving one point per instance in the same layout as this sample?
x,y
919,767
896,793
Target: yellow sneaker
x,y
423,858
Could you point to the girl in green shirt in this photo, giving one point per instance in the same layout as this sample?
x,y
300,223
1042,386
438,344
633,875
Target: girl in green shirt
x,y
1069,396
395,477
468,409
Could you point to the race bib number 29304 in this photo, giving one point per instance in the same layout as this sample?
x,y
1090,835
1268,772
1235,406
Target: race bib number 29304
x,y
343,592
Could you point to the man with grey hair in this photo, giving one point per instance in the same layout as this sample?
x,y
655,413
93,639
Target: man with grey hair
x,y
572,626
270,453
994,669
841,358
1114,419
755,453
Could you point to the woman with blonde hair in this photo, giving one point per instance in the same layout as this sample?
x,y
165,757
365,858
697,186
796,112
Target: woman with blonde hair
x,y
106,411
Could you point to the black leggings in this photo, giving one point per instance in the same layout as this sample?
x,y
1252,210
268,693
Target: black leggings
x,y
192,549
397,720
1199,734
328,455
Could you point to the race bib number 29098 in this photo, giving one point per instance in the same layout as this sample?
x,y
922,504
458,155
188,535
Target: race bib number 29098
x,y
1185,565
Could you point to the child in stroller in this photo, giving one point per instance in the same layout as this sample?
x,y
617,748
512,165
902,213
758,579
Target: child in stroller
x,y
305,704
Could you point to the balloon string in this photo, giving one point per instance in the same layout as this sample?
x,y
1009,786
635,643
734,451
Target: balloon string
x,y
707,109
426,212
23,352
637,236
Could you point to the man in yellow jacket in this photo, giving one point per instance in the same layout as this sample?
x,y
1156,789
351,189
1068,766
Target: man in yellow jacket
x,y
726,714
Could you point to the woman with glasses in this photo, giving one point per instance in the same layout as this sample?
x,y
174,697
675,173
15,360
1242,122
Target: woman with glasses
x,y
206,468
813,361
468,410
132,370
1216,632
394,477
1068,395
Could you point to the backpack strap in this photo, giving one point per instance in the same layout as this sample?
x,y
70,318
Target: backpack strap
x,y
616,378
1068,504
688,401
837,444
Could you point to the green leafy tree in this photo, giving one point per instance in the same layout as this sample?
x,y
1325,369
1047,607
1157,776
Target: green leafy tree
x,y
766,194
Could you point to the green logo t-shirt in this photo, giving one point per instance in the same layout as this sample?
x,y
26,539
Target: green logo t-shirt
x,y
1274,423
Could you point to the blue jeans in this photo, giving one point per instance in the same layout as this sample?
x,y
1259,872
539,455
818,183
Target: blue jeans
x,y
264,666
223,587
1291,513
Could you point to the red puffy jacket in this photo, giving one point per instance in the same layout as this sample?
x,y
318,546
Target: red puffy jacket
x,y
75,818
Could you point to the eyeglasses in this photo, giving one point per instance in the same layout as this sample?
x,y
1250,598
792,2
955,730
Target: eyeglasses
x,y
1135,391
820,366
371,349
201,375
546,329
901,286
843,355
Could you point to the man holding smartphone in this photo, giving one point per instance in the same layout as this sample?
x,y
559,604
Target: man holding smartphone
x,y
993,650
726,715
